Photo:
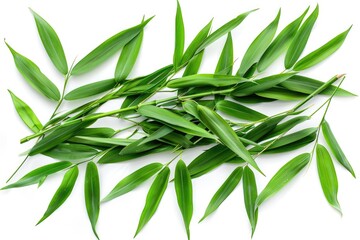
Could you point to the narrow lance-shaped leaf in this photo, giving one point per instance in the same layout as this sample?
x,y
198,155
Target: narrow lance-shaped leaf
x,y
327,176
26,114
258,46
34,77
154,197
194,65
239,111
91,89
299,41
280,43
223,192
225,133
283,177
36,175
62,193
321,53
92,194
282,94
128,57
226,60
183,188
51,43
173,120
133,180
107,49
203,80
335,147
179,37
250,196
71,152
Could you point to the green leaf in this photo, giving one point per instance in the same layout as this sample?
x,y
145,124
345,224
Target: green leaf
x,y
71,152
97,132
159,133
36,175
258,46
173,120
327,176
59,135
299,41
280,43
250,196
92,194
307,85
239,111
128,57
34,77
335,147
282,94
91,89
226,134
286,126
183,188
224,191
321,53
51,43
137,146
194,65
293,145
62,193
261,84
100,141
179,37
226,60
282,177
133,180
26,114
107,49
224,29
260,131
201,80
153,198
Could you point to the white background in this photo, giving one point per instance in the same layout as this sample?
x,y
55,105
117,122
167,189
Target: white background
x,y
299,211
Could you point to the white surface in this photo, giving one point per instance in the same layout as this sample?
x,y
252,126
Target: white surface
x,y
300,211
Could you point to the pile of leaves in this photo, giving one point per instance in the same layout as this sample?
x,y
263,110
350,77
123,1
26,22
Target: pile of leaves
x,y
205,109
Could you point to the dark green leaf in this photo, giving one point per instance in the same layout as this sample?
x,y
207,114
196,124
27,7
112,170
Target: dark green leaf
x,y
226,60
239,111
91,89
51,43
34,77
250,195
71,152
96,132
62,193
138,146
286,126
92,194
179,37
299,41
26,114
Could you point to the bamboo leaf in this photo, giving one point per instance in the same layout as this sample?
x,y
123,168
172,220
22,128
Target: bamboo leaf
x,y
71,152
107,49
36,175
100,141
159,133
223,192
226,60
299,41
226,134
51,43
92,194
133,180
261,84
34,77
183,188
62,193
280,43
335,147
293,145
258,46
250,196
179,37
137,146
321,53
327,176
194,65
239,111
282,94
286,126
174,120
153,198
97,132
26,114
201,80
282,177
91,89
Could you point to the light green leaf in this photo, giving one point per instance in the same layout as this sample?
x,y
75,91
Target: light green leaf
x,y
299,41
179,37
327,176
250,196
282,177
91,89
258,46
51,43
226,60
62,193
26,114
239,111
71,152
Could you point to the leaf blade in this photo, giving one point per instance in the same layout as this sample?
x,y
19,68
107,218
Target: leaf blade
x,y
179,37
250,196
